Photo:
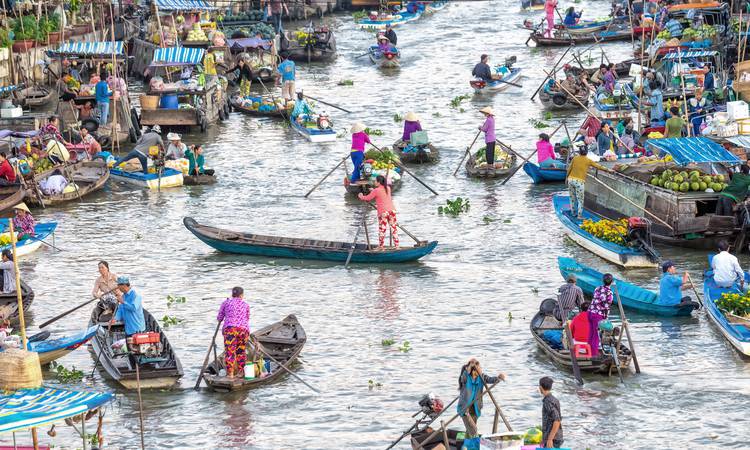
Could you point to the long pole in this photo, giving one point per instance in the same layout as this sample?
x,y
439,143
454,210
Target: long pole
x,y
286,369
327,175
329,104
393,444
19,294
627,330
140,401
554,70
205,360
76,308
354,242
689,125
467,152
401,228
634,204
408,171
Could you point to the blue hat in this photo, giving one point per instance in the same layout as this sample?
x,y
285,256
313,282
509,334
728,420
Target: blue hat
x,y
123,280
666,265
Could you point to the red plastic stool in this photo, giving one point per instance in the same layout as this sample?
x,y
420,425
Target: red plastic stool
x,y
582,349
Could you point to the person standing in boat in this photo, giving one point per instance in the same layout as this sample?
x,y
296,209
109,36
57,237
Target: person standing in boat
x,y
152,138
471,384
23,221
572,17
130,307
697,108
674,125
102,95
9,272
359,139
656,103
245,76
105,284
235,313
482,69
411,125
549,10
577,171
671,285
726,267
391,34
287,76
599,310
386,210
735,192
488,127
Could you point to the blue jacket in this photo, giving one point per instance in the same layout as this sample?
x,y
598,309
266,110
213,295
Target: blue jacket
x,y
101,91
469,389
130,312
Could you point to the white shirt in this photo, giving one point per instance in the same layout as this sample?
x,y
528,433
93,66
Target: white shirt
x,y
53,185
726,269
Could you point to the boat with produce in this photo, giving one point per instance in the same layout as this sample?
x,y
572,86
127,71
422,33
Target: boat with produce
x,y
10,196
83,177
623,242
9,302
300,248
680,200
563,39
260,53
25,246
53,349
633,297
477,167
723,306
555,99
283,340
548,334
169,178
316,131
545,174
415,154
310,44
507,73
158,364
385,60
613,107
260,107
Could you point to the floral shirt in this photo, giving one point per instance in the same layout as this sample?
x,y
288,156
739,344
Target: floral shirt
x,y
25,224
235,312
601,301
50,131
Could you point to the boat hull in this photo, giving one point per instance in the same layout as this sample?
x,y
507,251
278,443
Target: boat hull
x,y
738,335
316,136
488,172
171,178
497,85
543,175
418,157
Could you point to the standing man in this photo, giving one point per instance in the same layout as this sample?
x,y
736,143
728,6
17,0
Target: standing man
x,y
276,8
150,139
552,433
390,34
287,76
577,171
727,270
102,95
130,308
569,296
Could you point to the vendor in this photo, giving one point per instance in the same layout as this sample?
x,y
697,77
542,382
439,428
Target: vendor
x,y
697,109
384,44
176,148
54,184
102,95
359,139
91,145
482,69
196,160
245,76
68,87
302,110
7,173
23,221
411,125
149,139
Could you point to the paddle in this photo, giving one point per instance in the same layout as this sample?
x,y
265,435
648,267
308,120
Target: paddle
x,y
45,243
260,348
697,295
109,328
553,72
400,227
468,149
273,99
354,242
205,360
627,330
56,318
408,171
573,356
327,175
329,104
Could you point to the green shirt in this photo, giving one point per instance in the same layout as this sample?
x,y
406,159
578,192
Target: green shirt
x,y
193,162
673,127
737,188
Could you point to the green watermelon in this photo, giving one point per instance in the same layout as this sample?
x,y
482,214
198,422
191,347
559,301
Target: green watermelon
x,y
719,178
703,185
684,186
655,181
533,436
694,186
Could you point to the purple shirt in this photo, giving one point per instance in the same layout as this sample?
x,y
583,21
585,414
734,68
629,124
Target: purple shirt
x,y
409,128
235,312
358,141
489,129
609,81
601,301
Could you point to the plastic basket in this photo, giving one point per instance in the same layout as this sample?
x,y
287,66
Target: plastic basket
x,y
419,138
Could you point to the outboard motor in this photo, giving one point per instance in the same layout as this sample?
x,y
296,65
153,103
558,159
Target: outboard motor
x,y
510,61
324,122
639,236
431,405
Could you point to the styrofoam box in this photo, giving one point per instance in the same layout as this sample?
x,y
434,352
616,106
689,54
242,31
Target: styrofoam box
x,y
737,110
10,113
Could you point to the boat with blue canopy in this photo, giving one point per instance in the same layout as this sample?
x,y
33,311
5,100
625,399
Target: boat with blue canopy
x,y
28,244
735,329
506,74
632,296
299,248
625,256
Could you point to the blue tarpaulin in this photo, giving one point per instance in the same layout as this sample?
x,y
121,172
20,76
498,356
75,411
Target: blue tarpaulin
x,y
691,54
11,88
693,150
183,5
89,48
178,56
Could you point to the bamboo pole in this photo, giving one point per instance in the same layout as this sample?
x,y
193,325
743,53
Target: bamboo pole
x,y
684,97
19,294
113,132
633,203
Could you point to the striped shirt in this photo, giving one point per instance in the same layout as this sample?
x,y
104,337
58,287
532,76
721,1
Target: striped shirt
x,y
569,296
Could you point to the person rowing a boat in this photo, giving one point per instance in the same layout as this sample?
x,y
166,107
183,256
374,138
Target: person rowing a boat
x,y
302,110
569,297
577,171
391,34
384,44
471,385
23,221
130,308
488,127
572,17
105,283
235,313
287,76
671,285
386,211
359,139
411,125
599,310
482,69
726,267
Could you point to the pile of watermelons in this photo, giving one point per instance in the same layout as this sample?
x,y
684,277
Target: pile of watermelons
x,y
247,16
265,30
693,180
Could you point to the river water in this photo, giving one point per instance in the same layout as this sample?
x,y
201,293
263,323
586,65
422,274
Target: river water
x,y
453,305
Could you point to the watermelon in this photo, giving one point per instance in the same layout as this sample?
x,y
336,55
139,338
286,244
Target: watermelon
x,y
703,186
719,178
684,186
655,181
533,436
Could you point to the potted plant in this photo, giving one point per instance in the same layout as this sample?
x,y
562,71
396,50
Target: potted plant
x,y
24,33
49,30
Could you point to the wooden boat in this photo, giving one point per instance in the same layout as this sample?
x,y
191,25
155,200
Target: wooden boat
x,y
544,174
364,186
322,48
314,134
36,96
9,302
198,180
88,176
424,154
583,27
237,105
385,60
299,248
565,40
556,100
29,245
380,22
52,349
614,253
734,329
157,372
170,178
532,5
475,171
10,196
508,75
604,362
419,437
632,296
282,340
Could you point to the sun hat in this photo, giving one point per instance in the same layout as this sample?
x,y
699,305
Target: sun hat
x,y
382,37
156,129
411,116
123,280
487,110
357,127
22,206
173,137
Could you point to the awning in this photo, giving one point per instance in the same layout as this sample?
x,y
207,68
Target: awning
x,y
27,408
178,56
693,150
740,141
18,134
184,5
249,43
5,89
88,48
690,54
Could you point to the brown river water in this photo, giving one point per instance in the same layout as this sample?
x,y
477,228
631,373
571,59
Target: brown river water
x,y
454,304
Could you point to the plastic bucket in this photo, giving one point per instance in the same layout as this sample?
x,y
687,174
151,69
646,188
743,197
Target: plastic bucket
x,y
149,101
168,102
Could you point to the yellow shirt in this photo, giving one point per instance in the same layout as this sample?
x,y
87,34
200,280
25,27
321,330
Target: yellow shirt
x,y
579,167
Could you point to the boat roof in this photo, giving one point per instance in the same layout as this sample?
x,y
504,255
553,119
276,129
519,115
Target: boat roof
x,y
690,54
178,56
18,134
183,5
96,48
249,43
29,408
693,150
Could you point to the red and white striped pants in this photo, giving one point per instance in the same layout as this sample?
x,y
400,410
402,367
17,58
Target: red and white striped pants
x,y
383,221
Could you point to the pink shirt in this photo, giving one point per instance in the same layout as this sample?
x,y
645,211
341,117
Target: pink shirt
x,y
549,7
544,151
382,199
359,140
235,312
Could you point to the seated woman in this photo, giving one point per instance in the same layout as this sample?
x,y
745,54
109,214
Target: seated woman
x,y
571,17
302,110
411,124
628,136
54,184
580,325
23,221
90,144
68,87
9,272
384,44
196,160
605,140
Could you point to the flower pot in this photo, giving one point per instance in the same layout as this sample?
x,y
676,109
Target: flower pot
x,y
22,46
54,37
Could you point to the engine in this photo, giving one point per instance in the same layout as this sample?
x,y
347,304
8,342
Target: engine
x,y
431,405
147,344
639,236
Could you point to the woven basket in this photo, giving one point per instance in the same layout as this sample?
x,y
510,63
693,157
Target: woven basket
x,y
19,369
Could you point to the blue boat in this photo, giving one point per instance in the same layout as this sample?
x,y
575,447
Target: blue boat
x,y
52,349
632,296
380,22
169,178
507,73
544,174
29,244
281,247
314,134
735,329
614,253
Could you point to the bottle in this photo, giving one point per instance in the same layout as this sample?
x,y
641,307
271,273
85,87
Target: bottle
x,y
250,372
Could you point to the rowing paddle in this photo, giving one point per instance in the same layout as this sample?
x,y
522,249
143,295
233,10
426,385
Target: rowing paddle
x,y
354,242
273,99
56,318
573,356
408,171
468,149
260,348
627,330
329,104
327,175
508,82
205,361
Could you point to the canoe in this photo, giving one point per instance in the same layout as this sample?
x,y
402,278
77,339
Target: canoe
x,y
475,171
282,340
734,331
36,96
364,186
29,245
480,86
560,100
424,154
632,296
584,27
10,196
170,178
394,20
543,321
9,302
52,349
159,372
544,174
237,106
198,180
299,248
614,253
601,36
88,176
323,50
387,60
314,134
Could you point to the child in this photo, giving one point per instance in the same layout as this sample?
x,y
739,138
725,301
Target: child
x,y
552,433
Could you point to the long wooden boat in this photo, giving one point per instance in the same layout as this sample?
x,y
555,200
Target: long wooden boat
x,y
511,76
737,332
561,101
543,321
485,171
170,178
10,196
237,105
364,186
198,180
632,296
564,41
423,155
283,340
9,302
544,174
385,60
280,247
323,49
314,134
31,244
394,20
419,440
52,349
37,96
160,372
88,176
614,253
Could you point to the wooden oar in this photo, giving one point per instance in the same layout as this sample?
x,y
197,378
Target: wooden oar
x,y
400,227
56,318
101,350
508,82
697,295
468,152
260,348
354,242
205,360
408,171
273,99
327,175
45,243
573,356
554,70
329,104
627,330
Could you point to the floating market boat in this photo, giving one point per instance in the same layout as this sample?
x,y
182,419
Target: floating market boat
x,y
421,154
565,40
30,244
313,132
36,96
10,196
9,302
299,248
363,186
83,178
198,180
508,74
169,178
583,27
475,169
380,21
385,60
159,367
626,256
548,334
735,329
311,44
544,174
260,108
632,296
52,349
557,100
282,340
